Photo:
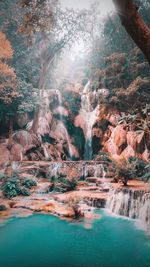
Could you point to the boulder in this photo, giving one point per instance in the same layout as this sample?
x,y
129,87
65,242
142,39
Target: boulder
x,y
132,139
22,119
117,141
119,136
16,152
4,154
80,122
44,125
136,140
128,152
146,155
23,138
113,119
3,208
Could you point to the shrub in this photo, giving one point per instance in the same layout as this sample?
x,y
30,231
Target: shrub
x,y
3,208
29,183
12,187
124,171
141,168
65,184
132,168
24,192
75,205
102,156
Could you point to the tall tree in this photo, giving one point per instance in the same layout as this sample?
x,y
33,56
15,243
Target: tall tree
x,y
9,94
134,24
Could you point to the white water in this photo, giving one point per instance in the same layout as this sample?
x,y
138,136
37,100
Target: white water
x,y
96,170
46,152
134,204
70,150
90,115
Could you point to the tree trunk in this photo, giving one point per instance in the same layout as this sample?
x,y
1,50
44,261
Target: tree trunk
x,y
134,25
10,139
35,124
43,74
41,93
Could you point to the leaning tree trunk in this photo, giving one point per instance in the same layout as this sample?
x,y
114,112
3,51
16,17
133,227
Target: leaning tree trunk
x,y
41,93
44,71
134,25
10,138
35,124
36,118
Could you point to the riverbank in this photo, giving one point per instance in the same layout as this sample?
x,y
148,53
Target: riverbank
x,y
84,199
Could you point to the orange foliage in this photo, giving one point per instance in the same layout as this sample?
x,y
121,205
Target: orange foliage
x,y
7,71
8,89
72,173
6,51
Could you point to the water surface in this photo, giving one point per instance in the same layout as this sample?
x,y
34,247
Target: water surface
x,y
47,241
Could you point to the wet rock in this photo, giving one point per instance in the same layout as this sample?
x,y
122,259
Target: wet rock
x,y
4,154
113,119
119,138
128,152
23,138
44,124
17,152
146,155
22,119
117,141
3,208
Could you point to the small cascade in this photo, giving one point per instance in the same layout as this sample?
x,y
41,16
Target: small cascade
x,y
89,114
144,213
94,170
68,142
46,153
131,203
59,97
55,168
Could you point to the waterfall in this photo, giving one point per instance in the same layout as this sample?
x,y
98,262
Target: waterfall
x,y
55,168
46,153
144,213
68,142
89,114
94,170
70,150
131,203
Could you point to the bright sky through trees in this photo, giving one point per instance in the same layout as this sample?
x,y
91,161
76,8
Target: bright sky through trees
x,y
105,5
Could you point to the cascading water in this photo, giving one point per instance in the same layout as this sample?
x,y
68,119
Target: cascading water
x,y
131,203
70,150
94,170
46,153
89,114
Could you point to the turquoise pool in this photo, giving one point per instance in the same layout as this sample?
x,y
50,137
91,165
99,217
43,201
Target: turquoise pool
x,y
47,241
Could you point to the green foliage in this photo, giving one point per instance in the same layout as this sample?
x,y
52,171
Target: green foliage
x,y
72,102
133,168
2,208
63,184
124,171
118,65
102,156
13,186
29,183
141,168
53,179
75,205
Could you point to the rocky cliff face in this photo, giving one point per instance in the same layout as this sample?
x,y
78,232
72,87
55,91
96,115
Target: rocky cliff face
x,y
72,127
